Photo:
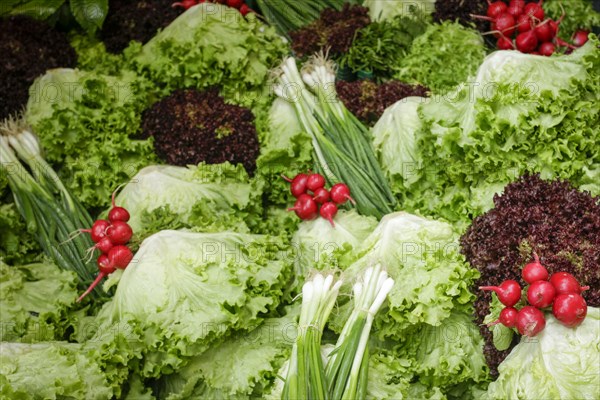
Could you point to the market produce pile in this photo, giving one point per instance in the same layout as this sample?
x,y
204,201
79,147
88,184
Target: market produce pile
x,y
325,199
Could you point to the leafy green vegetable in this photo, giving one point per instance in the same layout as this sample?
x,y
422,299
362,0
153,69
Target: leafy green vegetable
x,y
213,45
34,300
285,149
579,14
183,291
209,197
17,246
521,112
560,362
243,366
422,256
90,14
320,246
386,9
381,46
444,56
50,370
85,121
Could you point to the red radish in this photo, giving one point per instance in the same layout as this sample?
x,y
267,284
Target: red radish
x,y
235,3
340,193
185,4
516,3
509,292
543,32
553,27
515,9
321,195
570,309
105,265
98,279
244,9
315,181
104,245
541,294
534,10
505,23
298,184
119,232
523,23
508,317
496,8
118,214
329,211
505,43
120,256
305,207
565,283
530,321
580,38
534,271
561,42
547,49
98,230
526,42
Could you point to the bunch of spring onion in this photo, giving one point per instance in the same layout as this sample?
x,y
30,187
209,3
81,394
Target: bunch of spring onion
x,y
50,212
306,375
347,368
287,16
342,145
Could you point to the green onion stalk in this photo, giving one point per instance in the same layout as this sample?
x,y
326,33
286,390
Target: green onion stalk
x,y
50,212
287,16
306,374
342,144
347,368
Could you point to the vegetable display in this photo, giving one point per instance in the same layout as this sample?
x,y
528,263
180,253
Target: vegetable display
x,y
265,199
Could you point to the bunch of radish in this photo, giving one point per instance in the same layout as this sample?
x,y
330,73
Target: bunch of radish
x,y
523,27
111,237
237,4
561,291
313,199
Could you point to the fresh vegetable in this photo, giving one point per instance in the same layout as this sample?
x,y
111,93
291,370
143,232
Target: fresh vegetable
x,y
50,370
50,211
461,149
379,47
28,49
314,182
306,375
427,62
328,211
17,246
530,321
214,133
347,367
565,283
368,100
560,362
35,300
206,197
334,31
385,9
570,309
305,207
461,11
551,218
194,51
580,14
508,317
85,125
509,292
287,17
534,271
321,195
340,193
179,281
340,142
541,294
580,37
298,184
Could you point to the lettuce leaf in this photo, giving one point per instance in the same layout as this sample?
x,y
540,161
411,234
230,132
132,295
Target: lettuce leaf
x,y
183,291
520,113
206,198
388,9
442,57
560,362
50,370
17,246
213,45
86,121
35,301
